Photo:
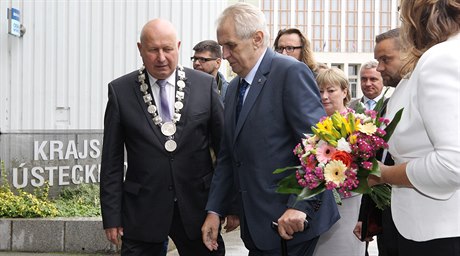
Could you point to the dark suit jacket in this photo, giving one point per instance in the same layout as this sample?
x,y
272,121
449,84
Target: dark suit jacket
x,y
143,202
282,104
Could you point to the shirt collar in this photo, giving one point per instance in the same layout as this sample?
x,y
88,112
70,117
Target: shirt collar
x,y
171,79
250,77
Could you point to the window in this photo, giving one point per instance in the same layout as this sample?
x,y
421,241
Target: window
x,y
334,26
385,15
267,9
353,79
368,25
317,39
351,41
301,16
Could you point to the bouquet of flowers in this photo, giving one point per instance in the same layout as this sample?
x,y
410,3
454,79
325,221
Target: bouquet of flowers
x,y
340,155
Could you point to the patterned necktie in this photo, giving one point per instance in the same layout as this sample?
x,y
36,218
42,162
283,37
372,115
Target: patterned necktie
x,y
165,115
370,104
241,91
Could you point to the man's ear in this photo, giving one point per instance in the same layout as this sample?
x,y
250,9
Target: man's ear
x,y
139,47
218,61
258,39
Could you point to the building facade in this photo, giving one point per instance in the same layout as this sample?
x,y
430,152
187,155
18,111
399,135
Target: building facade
x,y
342,32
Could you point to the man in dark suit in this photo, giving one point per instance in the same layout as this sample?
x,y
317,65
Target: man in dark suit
x,y
387,53
281,103
166,117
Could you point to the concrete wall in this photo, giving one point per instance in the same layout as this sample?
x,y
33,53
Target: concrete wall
x,y
77,235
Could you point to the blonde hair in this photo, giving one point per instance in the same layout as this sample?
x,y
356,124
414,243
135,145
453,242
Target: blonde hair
x,y
335,76
425,24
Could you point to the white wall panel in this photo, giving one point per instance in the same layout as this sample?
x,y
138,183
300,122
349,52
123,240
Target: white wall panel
x,y
56,75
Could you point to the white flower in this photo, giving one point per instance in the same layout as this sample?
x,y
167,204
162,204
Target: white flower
x,y
335,172
343,145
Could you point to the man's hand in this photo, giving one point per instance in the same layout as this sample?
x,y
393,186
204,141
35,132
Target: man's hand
x,y
357,231
290,222
232,222
114,235
210,230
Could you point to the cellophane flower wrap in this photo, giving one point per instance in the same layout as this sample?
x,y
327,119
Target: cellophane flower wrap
x,y
340,155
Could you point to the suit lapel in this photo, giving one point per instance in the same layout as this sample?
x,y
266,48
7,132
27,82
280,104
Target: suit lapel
x,y
256,87
156,130
184,112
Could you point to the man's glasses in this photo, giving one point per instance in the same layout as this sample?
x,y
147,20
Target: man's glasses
x,y
287,48
201,59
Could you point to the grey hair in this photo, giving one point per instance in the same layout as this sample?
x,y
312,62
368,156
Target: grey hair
x,y
247,20
369,65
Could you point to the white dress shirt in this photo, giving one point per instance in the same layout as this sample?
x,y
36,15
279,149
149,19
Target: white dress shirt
x,y
428,138
170,92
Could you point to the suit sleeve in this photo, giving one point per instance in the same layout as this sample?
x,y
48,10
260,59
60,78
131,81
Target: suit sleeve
x,y
438,173
222,187
217,119
112,167
303,109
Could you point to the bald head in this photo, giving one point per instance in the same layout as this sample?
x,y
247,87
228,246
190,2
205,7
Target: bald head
x,y
159,48
157,27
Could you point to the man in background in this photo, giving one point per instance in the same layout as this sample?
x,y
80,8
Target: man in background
x,y
387,53
208,58
371,86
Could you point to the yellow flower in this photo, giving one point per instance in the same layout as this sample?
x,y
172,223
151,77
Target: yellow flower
x,y
353,138
368,128
335,172
325,125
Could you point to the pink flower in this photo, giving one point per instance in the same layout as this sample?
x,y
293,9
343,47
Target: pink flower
x,y
367,165
324,152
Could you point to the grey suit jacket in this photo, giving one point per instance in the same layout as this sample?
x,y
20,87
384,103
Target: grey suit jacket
x,y
282,103
143,202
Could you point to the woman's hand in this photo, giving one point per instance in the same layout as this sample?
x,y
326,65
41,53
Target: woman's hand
x,y
373,180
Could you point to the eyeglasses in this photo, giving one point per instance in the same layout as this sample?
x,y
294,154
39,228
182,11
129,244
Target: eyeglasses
x,y
201,59
287,48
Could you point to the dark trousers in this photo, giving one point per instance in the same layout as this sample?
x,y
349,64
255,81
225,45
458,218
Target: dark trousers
x,y
438,247
387,242
301,249
184,245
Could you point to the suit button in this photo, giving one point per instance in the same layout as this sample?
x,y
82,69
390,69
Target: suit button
x,y
238,164
170,188
171,159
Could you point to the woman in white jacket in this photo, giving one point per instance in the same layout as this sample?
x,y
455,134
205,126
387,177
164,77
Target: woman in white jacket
x,y
426,143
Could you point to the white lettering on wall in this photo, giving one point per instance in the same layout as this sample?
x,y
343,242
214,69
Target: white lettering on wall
x,y
58,150
37,174
71,150
94,145
39,150
56,147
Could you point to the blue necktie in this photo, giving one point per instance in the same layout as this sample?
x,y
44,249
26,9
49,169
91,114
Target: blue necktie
x,y
165,115
370,104
241,91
